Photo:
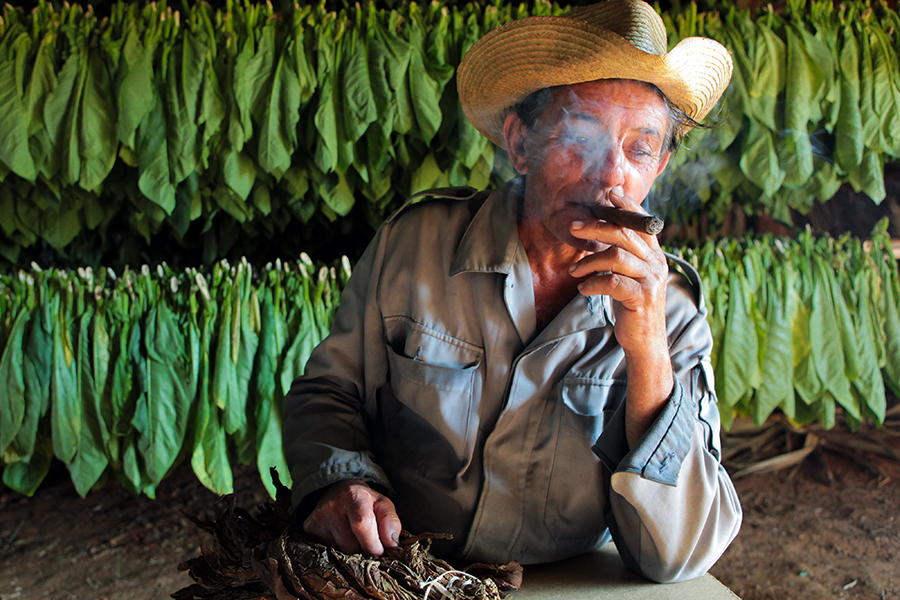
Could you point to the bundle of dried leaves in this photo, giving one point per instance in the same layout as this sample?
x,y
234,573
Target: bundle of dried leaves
x,y
263,557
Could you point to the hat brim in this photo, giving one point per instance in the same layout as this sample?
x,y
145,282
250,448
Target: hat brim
x,y
530,54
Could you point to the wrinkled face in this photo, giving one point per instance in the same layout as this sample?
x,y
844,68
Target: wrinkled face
x,y
593,137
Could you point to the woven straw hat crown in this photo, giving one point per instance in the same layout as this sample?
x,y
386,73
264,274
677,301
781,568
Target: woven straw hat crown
x,y
615,39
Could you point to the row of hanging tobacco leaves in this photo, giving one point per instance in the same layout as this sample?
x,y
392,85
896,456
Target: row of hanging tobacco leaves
x,y
126,375
813,103
237,130
810,326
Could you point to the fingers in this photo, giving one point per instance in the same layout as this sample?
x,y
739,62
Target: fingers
x,y
388,522
353,517
632,269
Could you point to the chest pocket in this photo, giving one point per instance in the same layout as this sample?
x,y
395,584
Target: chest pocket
x,y
577,486
429,404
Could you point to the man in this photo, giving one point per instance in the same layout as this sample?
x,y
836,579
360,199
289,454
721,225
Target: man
x,y
508,369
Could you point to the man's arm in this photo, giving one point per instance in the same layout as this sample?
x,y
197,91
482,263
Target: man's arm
x,y
634,272
672,508
326,441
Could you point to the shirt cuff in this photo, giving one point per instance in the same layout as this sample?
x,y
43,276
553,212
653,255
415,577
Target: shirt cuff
x,y
660,452
335,471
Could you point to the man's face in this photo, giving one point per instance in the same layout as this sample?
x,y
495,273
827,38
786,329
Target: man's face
x,y
594,137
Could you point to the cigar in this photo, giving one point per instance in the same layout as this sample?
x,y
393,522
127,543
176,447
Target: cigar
x,y
626,218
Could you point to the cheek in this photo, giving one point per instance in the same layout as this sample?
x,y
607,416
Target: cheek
x,y
562,167
642,178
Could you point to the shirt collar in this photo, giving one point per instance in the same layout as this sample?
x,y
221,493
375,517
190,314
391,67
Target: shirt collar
x,y
490,242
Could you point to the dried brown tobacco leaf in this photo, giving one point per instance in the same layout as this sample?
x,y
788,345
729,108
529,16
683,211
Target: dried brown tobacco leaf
x,y
264,558
508,576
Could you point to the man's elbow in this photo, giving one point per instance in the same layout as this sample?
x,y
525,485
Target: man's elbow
x,y
686,564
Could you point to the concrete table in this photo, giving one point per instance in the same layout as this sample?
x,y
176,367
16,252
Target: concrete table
x,y
602,575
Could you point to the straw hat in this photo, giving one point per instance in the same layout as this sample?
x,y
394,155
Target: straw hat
x,y
615,39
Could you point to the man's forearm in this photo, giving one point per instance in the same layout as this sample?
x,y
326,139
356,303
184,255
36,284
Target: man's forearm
x,y
650,385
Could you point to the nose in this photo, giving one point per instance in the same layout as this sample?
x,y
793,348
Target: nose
x,y
607,168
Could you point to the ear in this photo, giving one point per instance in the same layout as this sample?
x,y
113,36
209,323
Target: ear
x,y
663,163
515,134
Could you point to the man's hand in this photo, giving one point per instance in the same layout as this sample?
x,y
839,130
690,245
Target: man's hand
x,y
634,272
353,517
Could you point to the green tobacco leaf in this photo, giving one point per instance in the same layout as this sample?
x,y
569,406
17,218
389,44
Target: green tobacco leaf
x,y
60,227
97,139
26,476
869,386
153,158
101,362
163,418
759,160
134,88
14,149
12,381
37,373
807,383
827,348
386,56
254,69
43,81
60,118
337,194
238,338
122,382
238,172
184,81
279,118
209,457
845,319
426,83
737,368
358,101
886,88
304,338
428,175
334,151
90,461
848,143
213,111
302,48
868,176
871,124
806,79
272,341
776,386
891,293
64,404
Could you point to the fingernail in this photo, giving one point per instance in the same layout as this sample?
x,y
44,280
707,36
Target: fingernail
x,y
395,537
617,191
572,267
576,225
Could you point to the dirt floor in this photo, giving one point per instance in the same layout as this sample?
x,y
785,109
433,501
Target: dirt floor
x,y
829,528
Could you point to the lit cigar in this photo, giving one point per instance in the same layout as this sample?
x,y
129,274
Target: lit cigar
x,y
626,218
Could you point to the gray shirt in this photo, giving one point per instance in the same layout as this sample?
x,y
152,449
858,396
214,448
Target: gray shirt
x,y
436,385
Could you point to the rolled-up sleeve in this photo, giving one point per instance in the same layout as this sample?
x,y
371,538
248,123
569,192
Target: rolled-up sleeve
x,y
672,508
